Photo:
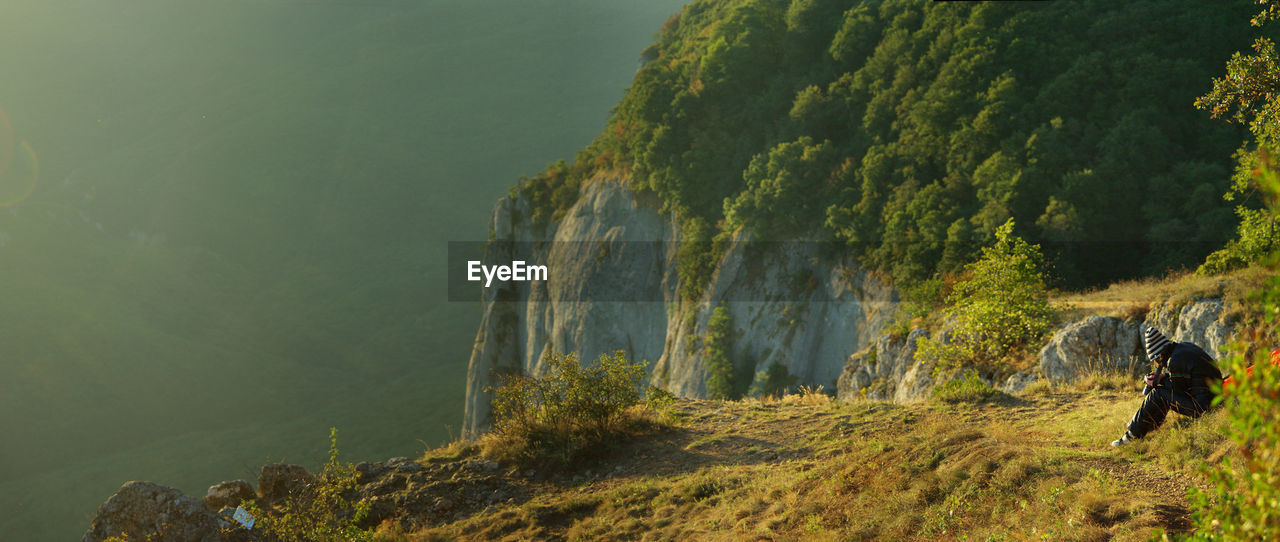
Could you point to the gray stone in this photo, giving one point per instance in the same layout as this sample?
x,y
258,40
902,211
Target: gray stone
x,y
150,511
228,494
278,480
792,304
1096,343
888,371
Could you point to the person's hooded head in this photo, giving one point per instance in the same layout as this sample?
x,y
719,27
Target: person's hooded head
x,y
1157,344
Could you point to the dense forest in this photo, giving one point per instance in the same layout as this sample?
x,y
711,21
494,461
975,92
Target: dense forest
x,y
909,131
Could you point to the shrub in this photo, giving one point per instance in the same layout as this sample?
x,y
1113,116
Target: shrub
x,y
570,409
968,389
1243,506
724,381
1257,236
772,382
324,510
1001,306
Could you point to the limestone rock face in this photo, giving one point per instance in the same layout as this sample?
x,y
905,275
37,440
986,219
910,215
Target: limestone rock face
x,y
1106,343
1096,342
794,305
1201,322
791,304
277,480
880,372
150,511
228,494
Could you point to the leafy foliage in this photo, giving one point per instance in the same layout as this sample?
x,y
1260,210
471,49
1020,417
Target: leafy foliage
x,y
1247,95
1257,236
325,510
1000,306
696,257
723,382
911,131
571,408
968,389
774,381
1242,507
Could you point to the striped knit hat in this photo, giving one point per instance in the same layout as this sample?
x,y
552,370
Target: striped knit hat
x,y
1155,341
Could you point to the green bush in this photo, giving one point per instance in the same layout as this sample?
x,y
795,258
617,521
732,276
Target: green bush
x,y
1257,236
325,510
968,389
725,380
570,409
775,381
1243,505
1000,307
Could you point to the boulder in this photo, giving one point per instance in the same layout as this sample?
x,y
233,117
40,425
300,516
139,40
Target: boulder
x,y
228,494
278,480
1094,343
1202,322
150,511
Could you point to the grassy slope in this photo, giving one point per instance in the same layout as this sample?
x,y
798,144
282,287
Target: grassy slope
x,y
1023,467
1035,466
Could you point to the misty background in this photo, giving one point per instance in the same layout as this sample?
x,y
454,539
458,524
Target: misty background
x,y
224,225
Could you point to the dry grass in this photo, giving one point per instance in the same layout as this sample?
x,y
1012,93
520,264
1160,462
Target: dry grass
x,y
816,469
515,448
808,396
1134,298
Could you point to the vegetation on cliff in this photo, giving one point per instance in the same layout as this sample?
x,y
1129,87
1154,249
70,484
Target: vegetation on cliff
x,y
911,131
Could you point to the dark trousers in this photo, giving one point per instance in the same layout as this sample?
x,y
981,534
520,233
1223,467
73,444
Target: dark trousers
x,y
1156,405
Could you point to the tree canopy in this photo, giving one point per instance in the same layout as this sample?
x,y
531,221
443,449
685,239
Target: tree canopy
x,y
911,131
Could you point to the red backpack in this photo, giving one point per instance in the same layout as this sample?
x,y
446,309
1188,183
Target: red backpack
x,y
1248,371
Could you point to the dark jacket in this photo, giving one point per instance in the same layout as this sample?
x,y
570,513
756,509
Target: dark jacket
x,y
1191,368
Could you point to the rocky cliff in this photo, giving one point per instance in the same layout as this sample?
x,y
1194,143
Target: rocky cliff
x,y
613,285
888,369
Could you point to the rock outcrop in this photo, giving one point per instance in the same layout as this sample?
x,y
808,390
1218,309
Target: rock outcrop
x,y
1112,344
886,371
791,304
150,511
228,494
277,480
614,285
1094,343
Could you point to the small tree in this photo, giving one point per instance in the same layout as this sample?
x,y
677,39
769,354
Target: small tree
x,y
1001,305
720,383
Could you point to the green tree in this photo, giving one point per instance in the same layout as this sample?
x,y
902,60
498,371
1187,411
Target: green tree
x,y
778,200
1000,306
722,382
1243,505
773,381
1249,94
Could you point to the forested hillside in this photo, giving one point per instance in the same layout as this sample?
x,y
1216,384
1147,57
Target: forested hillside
x,y
909,131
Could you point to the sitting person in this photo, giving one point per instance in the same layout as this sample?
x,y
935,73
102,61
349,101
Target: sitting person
x,y
1187,389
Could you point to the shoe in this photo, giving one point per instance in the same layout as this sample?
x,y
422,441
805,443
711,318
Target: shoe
x,y
1121,441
